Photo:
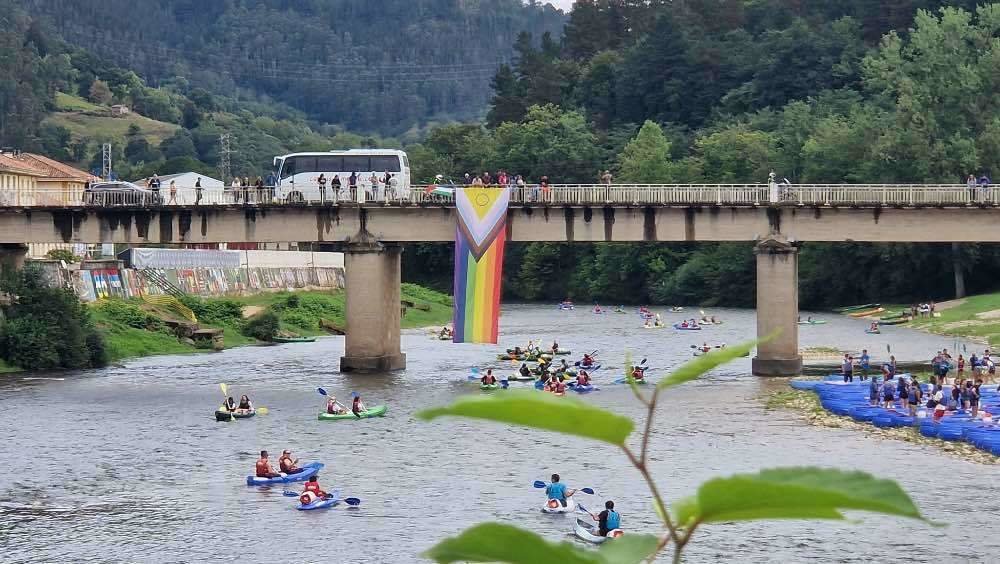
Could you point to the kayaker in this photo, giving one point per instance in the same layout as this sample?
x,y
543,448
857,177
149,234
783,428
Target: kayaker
x,y
488,379
587,360
608,520
705,348
229,405
358,407
524,371
648,324
638,373
555,347
557,492
583,379
311,492
286,464
245,404
333,406
560,386
263,467
563,367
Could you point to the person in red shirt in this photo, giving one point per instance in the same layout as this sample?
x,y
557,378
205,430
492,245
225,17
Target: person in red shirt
x,y
312,491
263,467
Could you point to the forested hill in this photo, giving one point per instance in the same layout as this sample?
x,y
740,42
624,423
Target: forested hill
x,y
369,65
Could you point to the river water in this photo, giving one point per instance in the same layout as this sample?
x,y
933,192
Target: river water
x,y
127,464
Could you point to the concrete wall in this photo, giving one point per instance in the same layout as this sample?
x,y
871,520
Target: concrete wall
x,y
391,224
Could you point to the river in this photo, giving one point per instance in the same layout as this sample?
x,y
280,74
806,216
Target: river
x,y
127,464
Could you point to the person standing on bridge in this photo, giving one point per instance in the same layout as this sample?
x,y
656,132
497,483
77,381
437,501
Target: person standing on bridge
x,y
259,189
970,183
198,191
606,179
373,182
353,184
322,187
335,184
173,192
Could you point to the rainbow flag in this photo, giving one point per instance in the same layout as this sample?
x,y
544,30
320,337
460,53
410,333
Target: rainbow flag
x,y
479,244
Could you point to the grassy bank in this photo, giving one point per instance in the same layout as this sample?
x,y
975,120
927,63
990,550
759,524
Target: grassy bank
x,y
807,403
975,317
135,329
6,368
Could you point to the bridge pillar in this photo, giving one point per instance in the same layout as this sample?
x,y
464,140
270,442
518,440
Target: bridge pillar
x,y
373,308
777,309
12,256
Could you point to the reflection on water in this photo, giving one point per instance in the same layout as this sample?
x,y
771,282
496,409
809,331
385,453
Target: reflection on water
x,y
128,464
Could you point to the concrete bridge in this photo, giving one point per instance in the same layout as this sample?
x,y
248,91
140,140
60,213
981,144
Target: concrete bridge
x,y
371,231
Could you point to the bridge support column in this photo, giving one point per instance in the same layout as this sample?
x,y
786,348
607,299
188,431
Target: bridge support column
x,y
12,256
777,309
373,308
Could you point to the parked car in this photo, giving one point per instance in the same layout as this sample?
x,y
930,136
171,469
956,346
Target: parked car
x,y
119,193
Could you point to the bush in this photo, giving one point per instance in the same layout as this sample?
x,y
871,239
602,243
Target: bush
x,y
263,326
292,301
47,328
129,314
214,312
64,255
300,319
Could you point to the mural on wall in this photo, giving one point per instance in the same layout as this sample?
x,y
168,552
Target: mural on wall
x,y
92,285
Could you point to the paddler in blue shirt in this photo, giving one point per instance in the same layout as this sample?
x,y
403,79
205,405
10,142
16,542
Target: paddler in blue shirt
x,y
608,520
865,362
557,492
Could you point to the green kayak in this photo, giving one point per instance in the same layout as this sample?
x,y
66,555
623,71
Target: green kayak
x,y
488,387
293,339
376,411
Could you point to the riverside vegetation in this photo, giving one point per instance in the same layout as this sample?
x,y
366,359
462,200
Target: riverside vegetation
x,y
782,493
46,328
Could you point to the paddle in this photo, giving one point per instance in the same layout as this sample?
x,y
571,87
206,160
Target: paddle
x,y
541,485
323,392
584,509
225,394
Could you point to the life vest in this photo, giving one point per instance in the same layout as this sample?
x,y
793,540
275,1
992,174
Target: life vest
x,y
285,464
614,520
263,468
313,487
308,497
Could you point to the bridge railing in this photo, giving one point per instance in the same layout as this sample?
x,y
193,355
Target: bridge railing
x,y
867,195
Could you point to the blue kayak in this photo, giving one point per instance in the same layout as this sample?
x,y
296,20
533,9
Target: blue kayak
x,y
680,327
590,368
329,501
308,470
583,389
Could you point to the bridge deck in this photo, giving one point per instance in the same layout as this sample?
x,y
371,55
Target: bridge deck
x,y
617,195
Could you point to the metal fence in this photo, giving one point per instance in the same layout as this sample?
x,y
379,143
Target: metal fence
x,y
743,195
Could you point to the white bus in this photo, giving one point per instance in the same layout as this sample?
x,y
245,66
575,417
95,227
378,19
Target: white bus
x,y
299,174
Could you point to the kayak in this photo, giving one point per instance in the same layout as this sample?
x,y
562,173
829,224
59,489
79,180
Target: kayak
x,y
680,327
866,312
519,378
896,321
625,381
589,532
488,387
875,332
558,508
376,411
653,326
813,322
293,339
223,415
590,368
308,470
708,322
323,503
855,308
560,352
676,309
582,389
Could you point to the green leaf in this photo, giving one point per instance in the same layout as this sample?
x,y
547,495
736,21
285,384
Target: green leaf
x,y
496,542
700,365
541,411
794,493
628,549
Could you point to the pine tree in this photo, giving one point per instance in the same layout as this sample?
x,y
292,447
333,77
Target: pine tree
x,y
646,158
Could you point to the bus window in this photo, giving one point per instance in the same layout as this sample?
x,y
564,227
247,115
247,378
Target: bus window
x,y
354,163
288,167
329,164
382,164
406,161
